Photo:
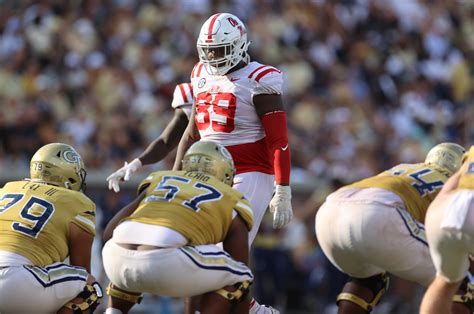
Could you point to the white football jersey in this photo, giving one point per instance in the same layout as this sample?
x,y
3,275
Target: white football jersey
x,y
183,98
224,108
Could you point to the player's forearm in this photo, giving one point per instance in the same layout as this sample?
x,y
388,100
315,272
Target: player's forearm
x,y
438,297
236,242
190,136
276,132
80,245
157,150
167,141
183,146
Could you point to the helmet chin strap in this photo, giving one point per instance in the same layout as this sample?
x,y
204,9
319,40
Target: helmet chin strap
x,y
246,59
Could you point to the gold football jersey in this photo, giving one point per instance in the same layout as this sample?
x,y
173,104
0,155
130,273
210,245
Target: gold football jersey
x,y
467,177
195,204
35,217
416,184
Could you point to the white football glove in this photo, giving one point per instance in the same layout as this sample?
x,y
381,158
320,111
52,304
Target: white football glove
x,y
123,173
280,206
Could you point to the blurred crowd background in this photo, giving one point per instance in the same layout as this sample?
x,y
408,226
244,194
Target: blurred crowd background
x,y
368,84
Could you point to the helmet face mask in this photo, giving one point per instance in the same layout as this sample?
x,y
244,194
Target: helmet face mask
x,y
210,158
447,156
222,43
60,165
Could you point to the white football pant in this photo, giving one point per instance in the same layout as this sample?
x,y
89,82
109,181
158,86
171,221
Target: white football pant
x,y
363,238
174,272
450,233
257,187
34,289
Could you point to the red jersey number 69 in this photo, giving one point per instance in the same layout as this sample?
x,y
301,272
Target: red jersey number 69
x,y
217,110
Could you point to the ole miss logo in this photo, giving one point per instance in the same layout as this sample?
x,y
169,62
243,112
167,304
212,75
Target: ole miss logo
x,y
234,23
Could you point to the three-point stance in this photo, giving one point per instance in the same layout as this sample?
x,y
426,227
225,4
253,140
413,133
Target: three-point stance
x,y
375,226
164,241
44,220
450,233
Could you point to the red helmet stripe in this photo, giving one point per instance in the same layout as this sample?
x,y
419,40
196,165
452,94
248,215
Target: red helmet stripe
x,y
211,26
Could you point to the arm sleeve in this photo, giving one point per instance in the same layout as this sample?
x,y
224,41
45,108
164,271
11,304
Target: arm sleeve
x,y
276,133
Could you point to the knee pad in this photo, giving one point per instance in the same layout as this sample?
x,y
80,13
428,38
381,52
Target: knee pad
x,y
378,284
465,294
123,295
242,288
91,296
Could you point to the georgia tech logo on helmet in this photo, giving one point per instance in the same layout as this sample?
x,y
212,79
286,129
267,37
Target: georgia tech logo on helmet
x,y
71,156
202,82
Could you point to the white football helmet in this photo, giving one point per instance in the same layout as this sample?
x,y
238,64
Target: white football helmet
x,y
222,43
447,156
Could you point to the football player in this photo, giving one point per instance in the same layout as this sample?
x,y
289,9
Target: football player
x,y
450,233
44,220
238,103
165,143
164,241
375,226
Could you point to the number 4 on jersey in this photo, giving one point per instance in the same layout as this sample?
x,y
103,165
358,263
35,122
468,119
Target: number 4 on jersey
x,y
424,186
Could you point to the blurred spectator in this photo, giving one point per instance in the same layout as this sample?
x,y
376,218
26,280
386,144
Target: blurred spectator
x,y
369,84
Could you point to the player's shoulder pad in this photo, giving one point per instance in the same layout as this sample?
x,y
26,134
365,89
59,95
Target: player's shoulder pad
x,y
154,177
85,211
197,70
74,198
267,78
437,169
147,181
405,167
182,95
468,155
244,208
